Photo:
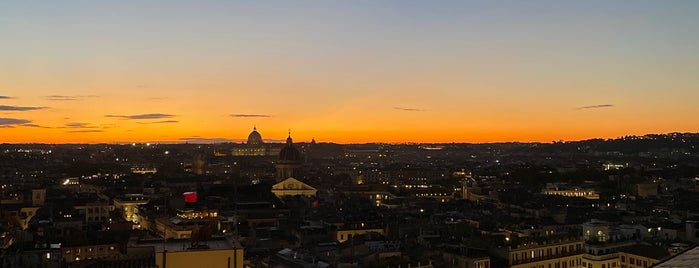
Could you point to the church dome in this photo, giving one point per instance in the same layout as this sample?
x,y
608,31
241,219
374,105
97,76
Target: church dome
x,y
289,153
255,138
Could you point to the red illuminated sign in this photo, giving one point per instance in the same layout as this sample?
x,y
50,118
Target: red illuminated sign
x,y
190,197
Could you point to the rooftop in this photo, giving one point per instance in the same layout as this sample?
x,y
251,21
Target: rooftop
x,y
688,258
182,245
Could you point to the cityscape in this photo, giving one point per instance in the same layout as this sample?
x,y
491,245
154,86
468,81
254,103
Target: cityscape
x,y
342,134
626,202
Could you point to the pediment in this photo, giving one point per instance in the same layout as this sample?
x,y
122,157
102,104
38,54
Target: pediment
x,y
292,184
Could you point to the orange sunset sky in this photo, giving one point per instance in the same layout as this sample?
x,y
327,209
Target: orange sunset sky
x,y
346,71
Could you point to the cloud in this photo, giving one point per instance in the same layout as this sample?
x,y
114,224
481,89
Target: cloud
x,y
19,108
11,122
595,106
142,116
68,97
34,125
5,97
86,131
160,122
79,125
250,115
197,139
409,109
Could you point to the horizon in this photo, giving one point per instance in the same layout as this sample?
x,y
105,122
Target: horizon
x,y
347,72
282,141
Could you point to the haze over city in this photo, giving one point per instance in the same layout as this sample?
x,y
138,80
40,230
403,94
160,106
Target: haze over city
x,y
346,72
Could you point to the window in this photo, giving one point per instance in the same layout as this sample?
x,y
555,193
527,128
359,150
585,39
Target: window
x,y
623,258
645,263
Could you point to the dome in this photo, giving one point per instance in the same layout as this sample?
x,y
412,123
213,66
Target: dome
x,y
254,138
289,153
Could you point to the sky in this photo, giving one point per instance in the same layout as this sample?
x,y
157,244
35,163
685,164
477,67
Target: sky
x,y
346,71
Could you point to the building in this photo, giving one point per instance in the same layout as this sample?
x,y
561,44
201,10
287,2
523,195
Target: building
x,y
254,147
128,204
640,255
646,190
217,252
555,253
343,235
289,161
460,256
564,190
292,187
90,252
94,212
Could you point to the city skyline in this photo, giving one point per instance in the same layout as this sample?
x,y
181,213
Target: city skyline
x,y
408,71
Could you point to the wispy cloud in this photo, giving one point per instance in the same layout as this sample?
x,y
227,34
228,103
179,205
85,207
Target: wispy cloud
x,y
34,125
595,106
250,115
19,108
86,131
79,125
12,122
142,116
5,97
160,122
408,109
68,97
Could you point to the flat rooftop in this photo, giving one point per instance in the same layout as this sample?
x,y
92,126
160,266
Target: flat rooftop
x,y
185,244
688,258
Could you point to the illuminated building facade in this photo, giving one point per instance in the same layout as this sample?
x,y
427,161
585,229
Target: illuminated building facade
x,y
563,190
346,234
128,204
561,253
90,252
94,212
217,252
293,187
254,147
